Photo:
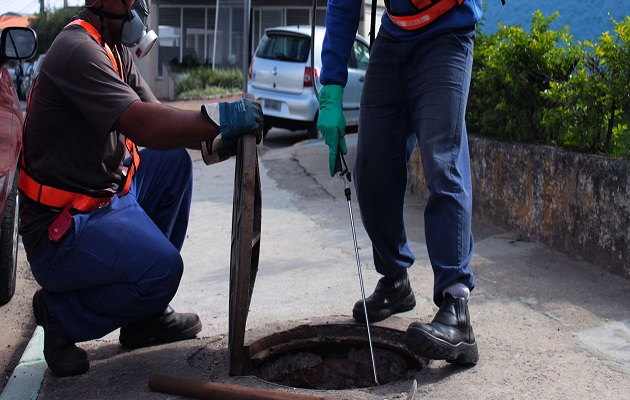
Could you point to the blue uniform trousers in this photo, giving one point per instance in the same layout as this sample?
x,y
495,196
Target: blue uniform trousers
x,y
121,262
416,92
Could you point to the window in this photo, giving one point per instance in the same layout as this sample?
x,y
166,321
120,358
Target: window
x,y
271,16
285,48
361,54
187,36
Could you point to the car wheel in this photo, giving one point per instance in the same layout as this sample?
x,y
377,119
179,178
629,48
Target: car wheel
x,y
9,245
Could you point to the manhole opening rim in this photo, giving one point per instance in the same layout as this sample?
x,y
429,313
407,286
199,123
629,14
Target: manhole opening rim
x,y
308,335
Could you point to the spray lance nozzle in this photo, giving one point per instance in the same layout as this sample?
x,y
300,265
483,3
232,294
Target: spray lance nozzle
x,y
343,173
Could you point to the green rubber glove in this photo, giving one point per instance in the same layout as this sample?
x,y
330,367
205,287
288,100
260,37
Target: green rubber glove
x,y
331,122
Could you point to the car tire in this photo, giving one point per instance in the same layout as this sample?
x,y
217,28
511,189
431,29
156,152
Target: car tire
x,y
9,244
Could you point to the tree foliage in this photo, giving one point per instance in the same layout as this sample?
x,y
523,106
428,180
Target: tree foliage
x,y
542,86
48,25
591,109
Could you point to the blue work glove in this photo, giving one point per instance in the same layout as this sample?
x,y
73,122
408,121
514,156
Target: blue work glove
x,y
235,119
331,122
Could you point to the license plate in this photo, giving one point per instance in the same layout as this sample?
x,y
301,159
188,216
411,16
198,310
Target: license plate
x,y
273,105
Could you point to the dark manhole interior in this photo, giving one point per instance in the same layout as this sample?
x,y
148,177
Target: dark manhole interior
x,y
332,357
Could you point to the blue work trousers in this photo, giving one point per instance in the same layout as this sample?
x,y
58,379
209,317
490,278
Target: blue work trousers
x,y
416,92
121,262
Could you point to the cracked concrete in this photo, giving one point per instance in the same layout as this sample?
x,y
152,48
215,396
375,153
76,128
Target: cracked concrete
x,y
547,326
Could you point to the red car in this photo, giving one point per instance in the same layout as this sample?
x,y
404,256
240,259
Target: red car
x,y
16,43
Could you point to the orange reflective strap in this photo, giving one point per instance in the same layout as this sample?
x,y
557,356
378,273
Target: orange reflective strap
x,y
54,197
131,147
424,18
97,36
135,163
58,198
422,4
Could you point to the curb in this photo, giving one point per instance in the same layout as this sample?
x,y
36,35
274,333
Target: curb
x,y
27,377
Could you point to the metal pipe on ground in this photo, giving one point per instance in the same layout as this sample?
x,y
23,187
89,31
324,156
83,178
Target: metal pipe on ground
x,y
219,391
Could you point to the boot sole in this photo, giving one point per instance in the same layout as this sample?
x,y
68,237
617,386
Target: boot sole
x,y
428,346
137,341
407,304
70,369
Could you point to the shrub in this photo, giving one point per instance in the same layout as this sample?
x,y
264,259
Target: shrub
x,y
541,86
592,108
511,70
204,81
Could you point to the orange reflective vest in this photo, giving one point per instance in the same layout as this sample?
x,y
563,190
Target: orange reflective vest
x,y
54,197
430,10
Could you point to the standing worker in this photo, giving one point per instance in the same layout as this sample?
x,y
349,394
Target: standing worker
x,y
103,223
415,91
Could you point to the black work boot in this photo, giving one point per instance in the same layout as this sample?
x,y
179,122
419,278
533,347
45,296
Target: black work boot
x,y
392,295
448,337
167,326
61,354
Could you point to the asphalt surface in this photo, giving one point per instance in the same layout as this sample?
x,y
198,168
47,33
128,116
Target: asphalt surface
x,y
547,326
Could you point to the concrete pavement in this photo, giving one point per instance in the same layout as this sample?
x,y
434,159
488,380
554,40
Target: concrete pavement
x,y
547,326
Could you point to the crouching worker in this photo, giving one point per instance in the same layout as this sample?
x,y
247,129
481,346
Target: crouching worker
x,y
103,223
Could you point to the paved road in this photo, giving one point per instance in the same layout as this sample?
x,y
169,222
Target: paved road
x,y
547,326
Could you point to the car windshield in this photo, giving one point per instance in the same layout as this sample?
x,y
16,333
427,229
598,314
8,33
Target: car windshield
x,y
285,48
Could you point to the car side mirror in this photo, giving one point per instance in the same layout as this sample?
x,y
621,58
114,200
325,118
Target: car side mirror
x,y
17,43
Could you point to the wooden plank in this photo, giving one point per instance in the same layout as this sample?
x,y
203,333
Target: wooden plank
x,y
245,250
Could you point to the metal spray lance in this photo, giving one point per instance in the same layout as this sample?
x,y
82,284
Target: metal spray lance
x,y
346,178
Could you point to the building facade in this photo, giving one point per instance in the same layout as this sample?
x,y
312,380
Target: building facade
x,y
214,33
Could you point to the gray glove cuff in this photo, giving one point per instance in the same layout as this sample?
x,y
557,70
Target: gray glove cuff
x,y
217,151
212,111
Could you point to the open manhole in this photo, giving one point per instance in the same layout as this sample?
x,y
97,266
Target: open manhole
x,y
332,357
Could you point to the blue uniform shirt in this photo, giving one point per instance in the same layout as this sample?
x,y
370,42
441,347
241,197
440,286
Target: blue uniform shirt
x,y
342,23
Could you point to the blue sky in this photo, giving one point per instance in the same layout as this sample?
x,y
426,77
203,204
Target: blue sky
x,y
585,19
32,6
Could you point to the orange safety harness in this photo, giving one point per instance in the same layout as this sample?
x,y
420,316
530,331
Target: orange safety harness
x,y
430,10
54,197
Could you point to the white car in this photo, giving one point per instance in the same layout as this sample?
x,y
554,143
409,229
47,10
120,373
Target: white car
x,y
280,78
31,71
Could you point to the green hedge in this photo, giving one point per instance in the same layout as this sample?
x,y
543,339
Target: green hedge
x,y
203,81
542,86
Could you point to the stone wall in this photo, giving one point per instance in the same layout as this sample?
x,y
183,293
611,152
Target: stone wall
x,y
575,203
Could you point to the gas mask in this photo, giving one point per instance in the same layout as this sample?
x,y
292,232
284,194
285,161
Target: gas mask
x,y
135,32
